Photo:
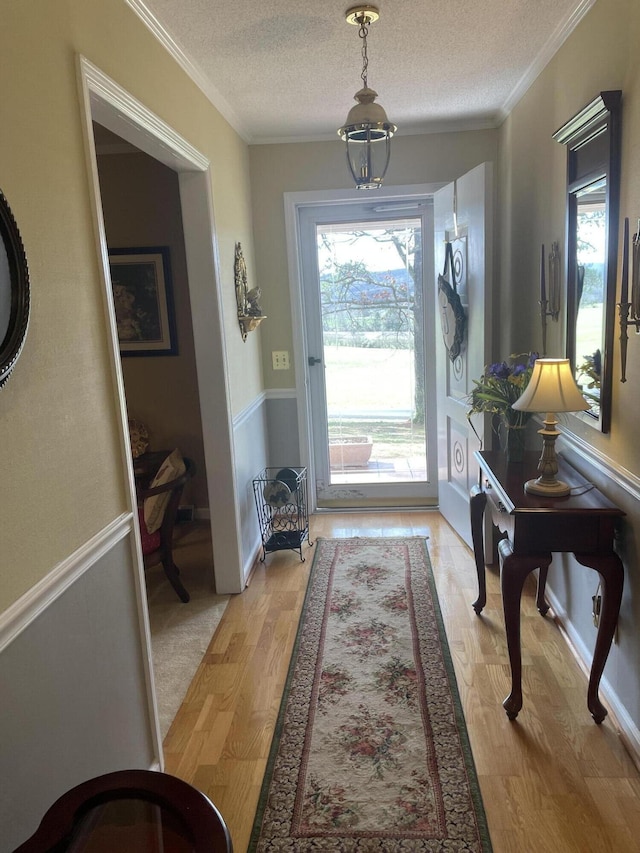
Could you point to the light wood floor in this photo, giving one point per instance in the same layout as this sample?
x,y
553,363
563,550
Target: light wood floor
x,y
550,781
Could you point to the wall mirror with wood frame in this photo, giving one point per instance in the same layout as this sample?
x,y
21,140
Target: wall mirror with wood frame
x,y
592,138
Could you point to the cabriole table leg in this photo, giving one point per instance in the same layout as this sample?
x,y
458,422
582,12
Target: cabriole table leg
x,y
514,569
477,503
611,570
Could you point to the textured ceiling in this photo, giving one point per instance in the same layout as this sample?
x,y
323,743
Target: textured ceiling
x,y
282,71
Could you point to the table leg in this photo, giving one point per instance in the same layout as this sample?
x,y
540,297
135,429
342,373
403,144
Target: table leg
x,y
541,604
514,569
477,504
610,568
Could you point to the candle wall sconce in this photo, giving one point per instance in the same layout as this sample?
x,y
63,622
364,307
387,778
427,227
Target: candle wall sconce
x,y
248,301
629,310
549,296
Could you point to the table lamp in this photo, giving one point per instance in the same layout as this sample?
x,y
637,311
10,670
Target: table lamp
x,y
551,389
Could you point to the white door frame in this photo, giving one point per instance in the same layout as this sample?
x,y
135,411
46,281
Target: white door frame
x,y
292,203
105,101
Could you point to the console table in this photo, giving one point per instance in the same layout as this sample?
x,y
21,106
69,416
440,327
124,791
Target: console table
x,y
533,528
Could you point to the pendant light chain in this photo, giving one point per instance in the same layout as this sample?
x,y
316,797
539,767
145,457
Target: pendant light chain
x,y
363,32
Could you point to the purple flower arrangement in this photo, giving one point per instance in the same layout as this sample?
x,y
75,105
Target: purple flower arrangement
x,y
500,386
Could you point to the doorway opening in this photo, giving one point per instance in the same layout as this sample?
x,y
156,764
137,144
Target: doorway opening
x,y
367,318
106,103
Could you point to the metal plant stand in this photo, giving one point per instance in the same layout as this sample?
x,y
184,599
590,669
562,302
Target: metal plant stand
x,y
283,512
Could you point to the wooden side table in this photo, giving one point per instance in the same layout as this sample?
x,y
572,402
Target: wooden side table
x,y
582,523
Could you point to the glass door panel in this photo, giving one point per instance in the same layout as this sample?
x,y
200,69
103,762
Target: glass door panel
x,y
373,350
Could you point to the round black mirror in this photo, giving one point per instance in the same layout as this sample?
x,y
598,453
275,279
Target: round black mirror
x,y
14,291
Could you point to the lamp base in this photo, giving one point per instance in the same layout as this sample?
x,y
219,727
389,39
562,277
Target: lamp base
x,y
547,488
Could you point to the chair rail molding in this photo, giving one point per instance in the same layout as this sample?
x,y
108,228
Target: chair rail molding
x,y
21,613
586,453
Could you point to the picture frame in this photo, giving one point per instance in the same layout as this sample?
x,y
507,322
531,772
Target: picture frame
x,y
143,300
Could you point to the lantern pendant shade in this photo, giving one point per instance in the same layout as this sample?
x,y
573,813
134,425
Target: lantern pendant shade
x,y
367,133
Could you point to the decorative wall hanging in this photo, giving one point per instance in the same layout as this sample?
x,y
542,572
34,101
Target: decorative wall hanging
x,y
14,292
248,301
629,311
549,296
143,301
452,316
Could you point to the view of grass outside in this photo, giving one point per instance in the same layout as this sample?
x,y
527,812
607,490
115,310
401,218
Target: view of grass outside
x,y
370,393
371,357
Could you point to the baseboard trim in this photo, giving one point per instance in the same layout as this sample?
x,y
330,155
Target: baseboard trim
x,y
21,613
252,562
618,715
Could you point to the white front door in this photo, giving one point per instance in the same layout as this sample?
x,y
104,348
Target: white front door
x,y
463,215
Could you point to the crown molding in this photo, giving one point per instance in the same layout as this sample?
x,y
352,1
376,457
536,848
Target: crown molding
x,y
430,127
551,47
190,68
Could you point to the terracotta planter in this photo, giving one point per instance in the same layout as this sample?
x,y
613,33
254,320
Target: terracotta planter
x,y
350,451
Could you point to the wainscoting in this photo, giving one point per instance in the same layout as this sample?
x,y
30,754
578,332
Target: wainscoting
x,y
76,697
571,586
272,414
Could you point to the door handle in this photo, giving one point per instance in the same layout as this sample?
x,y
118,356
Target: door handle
x,y
313,361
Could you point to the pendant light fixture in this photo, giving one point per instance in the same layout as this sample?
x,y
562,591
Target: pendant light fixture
x,y
367,130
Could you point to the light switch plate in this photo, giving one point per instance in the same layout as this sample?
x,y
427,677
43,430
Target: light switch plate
x,y
280,359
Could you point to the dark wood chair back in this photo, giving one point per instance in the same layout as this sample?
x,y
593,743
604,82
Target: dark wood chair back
x,y
145,468
128,811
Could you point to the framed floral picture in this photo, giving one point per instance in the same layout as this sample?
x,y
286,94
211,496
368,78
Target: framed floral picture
x,y
143,300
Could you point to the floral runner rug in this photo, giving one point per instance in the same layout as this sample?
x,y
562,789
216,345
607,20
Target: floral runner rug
x,y
370,751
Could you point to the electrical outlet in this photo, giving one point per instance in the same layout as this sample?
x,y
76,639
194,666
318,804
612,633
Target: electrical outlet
x,y
596,602
280,359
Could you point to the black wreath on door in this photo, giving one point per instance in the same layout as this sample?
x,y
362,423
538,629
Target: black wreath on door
x,y
14,292
453,319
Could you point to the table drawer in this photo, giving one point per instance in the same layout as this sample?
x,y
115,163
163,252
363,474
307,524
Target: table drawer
x,y
500,517
540,532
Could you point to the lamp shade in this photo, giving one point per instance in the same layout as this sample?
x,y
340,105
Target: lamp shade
x,y
551,388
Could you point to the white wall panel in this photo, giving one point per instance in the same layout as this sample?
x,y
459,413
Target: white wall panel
x,y
74,694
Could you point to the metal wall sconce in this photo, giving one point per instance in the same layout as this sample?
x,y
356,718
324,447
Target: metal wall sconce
x,y
249,312
629,311
549,297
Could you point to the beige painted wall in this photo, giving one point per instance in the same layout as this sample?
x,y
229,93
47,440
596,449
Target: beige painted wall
x,y
141,205
59,433
276,169
601,54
